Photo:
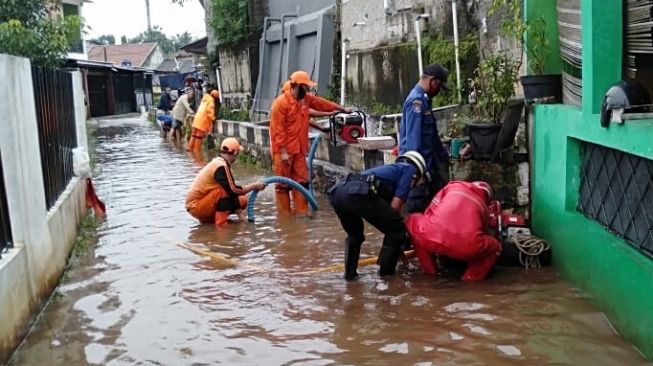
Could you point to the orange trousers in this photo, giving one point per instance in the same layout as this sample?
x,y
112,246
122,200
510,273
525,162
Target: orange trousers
x,y
196,139
205,210
297,170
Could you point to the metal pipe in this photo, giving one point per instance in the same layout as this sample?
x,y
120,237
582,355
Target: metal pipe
x,y
217,75
281,41
343,70
257,94
418,35
454,11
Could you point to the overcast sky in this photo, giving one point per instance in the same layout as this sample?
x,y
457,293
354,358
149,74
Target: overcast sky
x,y
128,17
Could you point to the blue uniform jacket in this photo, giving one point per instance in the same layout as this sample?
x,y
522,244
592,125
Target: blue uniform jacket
x,y
418,130
397,177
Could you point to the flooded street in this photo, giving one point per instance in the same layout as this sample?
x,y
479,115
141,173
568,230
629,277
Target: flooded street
x,y
141,299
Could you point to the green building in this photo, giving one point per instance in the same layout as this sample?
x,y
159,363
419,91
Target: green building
x,y
592,190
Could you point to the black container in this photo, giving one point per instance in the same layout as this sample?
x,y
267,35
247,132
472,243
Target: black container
x,y
483,138
542,87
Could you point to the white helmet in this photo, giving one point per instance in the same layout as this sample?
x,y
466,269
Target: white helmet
x,y
416,159
484,186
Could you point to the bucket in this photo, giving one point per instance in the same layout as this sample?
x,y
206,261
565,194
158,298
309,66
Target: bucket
x,y
541,87
483,138
456,144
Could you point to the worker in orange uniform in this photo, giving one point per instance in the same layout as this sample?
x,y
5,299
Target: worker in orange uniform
x,y
456,225
289,119
203,121
214,195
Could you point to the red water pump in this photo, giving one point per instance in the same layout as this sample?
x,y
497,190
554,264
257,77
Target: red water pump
x,y
348,127
506,224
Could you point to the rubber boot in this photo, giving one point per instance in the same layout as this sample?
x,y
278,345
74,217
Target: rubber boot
x,y
221,218
388,258
282,197
478,269
352,254
301,205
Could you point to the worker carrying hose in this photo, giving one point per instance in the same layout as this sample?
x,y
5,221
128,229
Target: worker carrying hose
x,y
204,118
214,195
289,137
455,225
377,195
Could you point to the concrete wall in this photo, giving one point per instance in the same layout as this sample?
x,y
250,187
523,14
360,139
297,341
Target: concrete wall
x,y
43,239
235,76
155,59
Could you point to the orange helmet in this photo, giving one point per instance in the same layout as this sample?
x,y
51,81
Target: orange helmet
x,y
215,94
285,87
484,186
230,146
302,77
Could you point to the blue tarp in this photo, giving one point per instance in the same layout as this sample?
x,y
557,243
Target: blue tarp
x,y
175,81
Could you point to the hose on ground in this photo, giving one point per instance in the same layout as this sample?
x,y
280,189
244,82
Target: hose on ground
x,y
530,247
251,201
309,161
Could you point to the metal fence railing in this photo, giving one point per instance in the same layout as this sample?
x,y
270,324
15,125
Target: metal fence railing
x,y
5,225
55,114
616,190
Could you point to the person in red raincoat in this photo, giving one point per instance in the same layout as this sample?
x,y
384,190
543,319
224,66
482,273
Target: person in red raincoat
x,y
455,225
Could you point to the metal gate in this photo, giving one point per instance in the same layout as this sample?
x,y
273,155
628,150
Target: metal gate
x,y
5,223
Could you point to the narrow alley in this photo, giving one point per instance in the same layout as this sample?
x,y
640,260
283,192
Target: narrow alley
x,y
142,299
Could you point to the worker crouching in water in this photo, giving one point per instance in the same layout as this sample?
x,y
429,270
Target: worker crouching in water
x,y
204,118
455,225
213,196
289,137
377,195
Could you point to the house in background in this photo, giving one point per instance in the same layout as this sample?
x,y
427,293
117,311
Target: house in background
x,y
76,49
143,55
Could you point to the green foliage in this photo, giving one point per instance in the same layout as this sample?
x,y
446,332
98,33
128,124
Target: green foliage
x,y
234,115
229,20
28,30
124,40
514,26
494,83
442,51
106,39
156,35
537,45
380,109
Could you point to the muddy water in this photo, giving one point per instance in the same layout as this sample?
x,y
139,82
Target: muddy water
x,y
140,299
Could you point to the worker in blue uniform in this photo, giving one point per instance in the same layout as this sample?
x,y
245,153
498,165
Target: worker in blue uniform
x,y
377,195
419,132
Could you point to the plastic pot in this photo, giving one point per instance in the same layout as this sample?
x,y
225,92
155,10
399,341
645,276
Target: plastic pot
x,y
541,87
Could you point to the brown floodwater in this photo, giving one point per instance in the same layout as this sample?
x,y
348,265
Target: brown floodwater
x,y
140,299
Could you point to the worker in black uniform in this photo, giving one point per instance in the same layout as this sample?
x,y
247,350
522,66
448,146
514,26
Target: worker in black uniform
x,y
377,195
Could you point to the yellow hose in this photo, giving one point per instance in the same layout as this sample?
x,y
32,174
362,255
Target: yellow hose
x,y
361,263
217,257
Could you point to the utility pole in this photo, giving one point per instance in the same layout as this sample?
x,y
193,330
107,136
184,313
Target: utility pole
x,y
147,9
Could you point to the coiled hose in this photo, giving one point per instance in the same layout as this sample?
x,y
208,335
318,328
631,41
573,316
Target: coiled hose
x,y
309,161
282,180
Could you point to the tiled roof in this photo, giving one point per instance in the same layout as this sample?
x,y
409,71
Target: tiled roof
x,y
137,53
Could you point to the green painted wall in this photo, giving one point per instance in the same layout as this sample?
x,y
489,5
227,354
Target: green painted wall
x,y
617,278
543,8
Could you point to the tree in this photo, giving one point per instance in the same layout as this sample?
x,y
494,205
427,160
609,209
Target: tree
x,y
155,35
180,40
35,29
229,20
106,39
123,40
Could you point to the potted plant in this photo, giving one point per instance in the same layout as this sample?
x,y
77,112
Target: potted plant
x,y
493,86
539,86
531,36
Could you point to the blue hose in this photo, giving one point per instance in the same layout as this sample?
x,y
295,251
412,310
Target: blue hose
x,y
283,180
309,161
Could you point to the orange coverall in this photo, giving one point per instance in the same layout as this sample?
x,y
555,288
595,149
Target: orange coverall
x,y
202,123
289,129
208,200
